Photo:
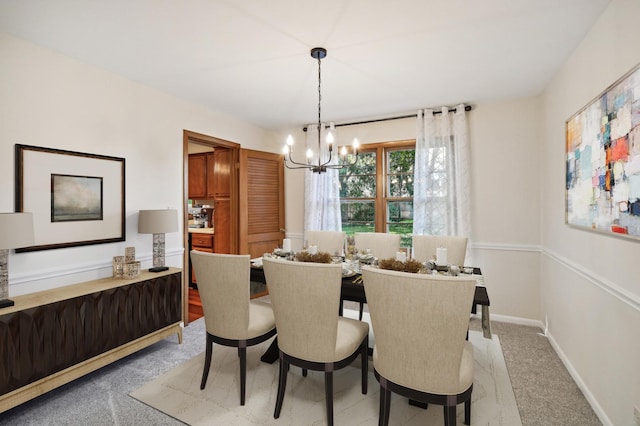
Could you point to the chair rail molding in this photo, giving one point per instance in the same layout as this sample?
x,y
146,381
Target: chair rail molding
x,y
22,283
505,247
610,287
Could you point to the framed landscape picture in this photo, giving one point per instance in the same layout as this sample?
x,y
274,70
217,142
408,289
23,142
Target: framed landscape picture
x,y
603,161
76,198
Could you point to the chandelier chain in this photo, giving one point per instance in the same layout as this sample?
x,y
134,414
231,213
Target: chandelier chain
x,y
319,98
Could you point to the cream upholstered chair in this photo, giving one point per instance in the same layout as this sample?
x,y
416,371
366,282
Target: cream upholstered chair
x,y
231,319
420,324
305,298
327,241
382,245
424,248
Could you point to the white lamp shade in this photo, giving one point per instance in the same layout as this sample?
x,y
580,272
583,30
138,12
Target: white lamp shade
x,y
158,221
16,230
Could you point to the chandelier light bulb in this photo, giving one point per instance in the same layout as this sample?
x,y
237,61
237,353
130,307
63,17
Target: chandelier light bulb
x,y
330,138
309,155
343,151
285,149
290,140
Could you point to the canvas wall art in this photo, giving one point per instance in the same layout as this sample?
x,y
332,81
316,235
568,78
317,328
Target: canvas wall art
x,y
603,161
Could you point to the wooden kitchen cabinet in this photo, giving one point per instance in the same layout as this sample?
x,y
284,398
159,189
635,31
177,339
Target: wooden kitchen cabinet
x,y
200,242
210,174
220,183
222,220
198,176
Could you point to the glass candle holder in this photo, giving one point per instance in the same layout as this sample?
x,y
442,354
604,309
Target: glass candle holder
x,y
118,266
131,270
129,254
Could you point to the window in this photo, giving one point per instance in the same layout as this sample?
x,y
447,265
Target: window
x,y
376,194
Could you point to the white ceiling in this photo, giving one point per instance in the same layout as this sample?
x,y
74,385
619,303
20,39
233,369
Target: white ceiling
x,y
251,58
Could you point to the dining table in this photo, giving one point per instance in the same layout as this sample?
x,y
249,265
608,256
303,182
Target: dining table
x,y
353,290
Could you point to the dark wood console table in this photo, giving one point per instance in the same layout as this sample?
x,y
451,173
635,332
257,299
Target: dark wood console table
x,y
52,337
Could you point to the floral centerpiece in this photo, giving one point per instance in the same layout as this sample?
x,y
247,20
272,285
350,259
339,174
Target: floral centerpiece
x,y
410,265
319,257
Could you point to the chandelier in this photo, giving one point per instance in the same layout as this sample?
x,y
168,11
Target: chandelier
x,y
320,53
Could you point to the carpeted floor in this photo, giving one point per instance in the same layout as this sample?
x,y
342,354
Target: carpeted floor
x,y
544,391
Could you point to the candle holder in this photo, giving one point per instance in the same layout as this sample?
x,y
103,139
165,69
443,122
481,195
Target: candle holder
x,y
129,254
131,270
118,266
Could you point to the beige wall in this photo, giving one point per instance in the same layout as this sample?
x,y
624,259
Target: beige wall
x,y
53,101
590,286
537,268
505,198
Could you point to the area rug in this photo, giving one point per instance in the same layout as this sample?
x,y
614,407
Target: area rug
x,y
177,393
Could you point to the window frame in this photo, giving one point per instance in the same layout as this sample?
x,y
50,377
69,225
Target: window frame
x,y
381,198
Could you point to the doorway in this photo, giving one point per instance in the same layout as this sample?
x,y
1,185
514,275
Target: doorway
x,y
199,144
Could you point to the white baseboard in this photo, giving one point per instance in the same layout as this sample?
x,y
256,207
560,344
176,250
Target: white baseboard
x,y
597,409
515,320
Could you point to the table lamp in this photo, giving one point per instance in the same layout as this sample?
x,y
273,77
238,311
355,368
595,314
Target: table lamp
x,y
16,231
157,222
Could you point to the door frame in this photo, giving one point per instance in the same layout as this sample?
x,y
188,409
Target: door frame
x,y
201,139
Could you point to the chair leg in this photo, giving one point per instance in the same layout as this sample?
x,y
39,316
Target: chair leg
x,y
365,365
467,411
385,406
243,373
304,372
361,310
207,363
449,415
282,385
328,395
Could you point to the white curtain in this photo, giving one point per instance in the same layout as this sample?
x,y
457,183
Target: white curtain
x,y
321,191
442,192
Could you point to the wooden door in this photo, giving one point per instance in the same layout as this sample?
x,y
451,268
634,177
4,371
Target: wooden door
x,y
261,221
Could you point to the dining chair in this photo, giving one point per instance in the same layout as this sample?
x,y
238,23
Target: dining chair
x,y
420,324
382,245
328,241
311,334
231,318
425,248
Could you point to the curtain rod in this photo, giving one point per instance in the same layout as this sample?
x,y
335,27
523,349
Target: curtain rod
x,y
437,111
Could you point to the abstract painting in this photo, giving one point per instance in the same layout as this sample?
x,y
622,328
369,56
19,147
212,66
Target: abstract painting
x,y
603,161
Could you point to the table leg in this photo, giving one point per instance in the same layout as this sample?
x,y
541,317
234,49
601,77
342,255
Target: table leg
x,y
272,353
486,323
